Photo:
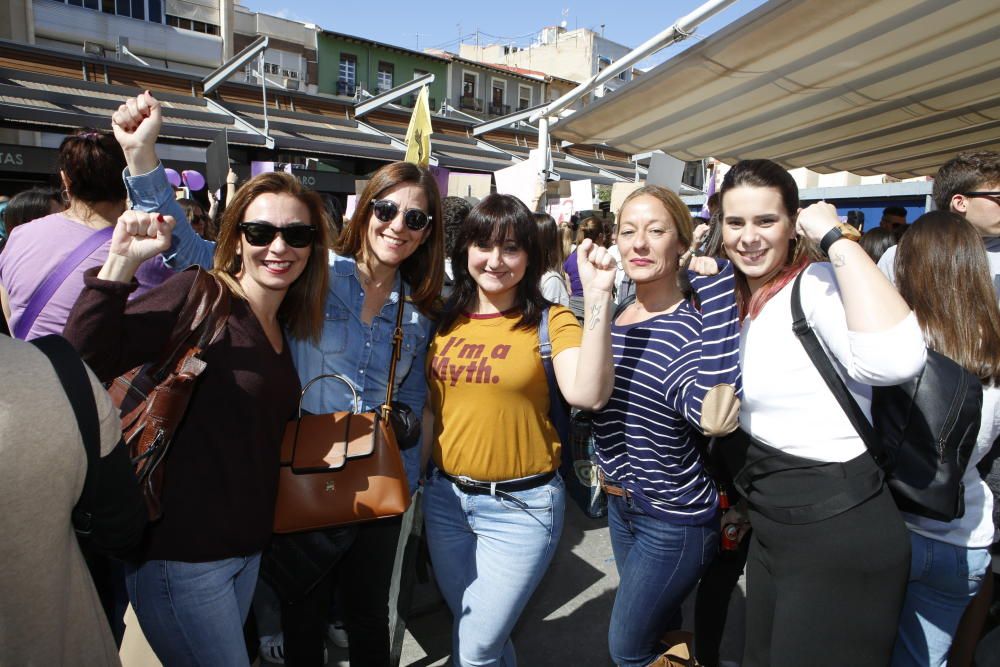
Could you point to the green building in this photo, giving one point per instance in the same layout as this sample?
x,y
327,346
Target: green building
x,y
347,63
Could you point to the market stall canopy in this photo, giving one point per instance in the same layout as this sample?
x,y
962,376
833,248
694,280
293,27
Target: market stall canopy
x,y
868,86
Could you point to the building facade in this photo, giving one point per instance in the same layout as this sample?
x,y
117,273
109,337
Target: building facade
x,y
349,64
291,58
187,36
488,91
575,55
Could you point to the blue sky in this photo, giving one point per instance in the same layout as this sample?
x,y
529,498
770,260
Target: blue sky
x,y
439,24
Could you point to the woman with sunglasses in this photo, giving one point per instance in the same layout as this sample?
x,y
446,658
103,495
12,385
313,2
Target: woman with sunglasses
x,y
392,249
193,580
494,500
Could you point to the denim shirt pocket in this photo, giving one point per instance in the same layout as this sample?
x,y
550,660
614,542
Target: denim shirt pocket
x,y
335,333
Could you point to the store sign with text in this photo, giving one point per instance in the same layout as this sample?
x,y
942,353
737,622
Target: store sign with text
x,y
27,159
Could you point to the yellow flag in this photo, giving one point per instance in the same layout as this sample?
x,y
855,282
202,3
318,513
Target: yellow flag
x,y
418,134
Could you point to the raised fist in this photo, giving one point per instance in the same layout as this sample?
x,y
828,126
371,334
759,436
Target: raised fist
x,y
139,235
137,123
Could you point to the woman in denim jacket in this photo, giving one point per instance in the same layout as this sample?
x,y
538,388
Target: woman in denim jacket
x,y
393,246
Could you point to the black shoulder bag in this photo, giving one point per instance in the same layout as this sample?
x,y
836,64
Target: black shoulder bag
x,y
110,515
923,431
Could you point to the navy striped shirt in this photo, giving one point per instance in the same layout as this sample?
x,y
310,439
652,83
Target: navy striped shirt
x,y
664,366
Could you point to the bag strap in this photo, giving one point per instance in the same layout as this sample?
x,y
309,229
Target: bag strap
x,y
43,293
199,323
558,408
73,376
833,380
397,351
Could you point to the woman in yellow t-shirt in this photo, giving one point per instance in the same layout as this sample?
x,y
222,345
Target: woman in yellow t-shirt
x,y
493,500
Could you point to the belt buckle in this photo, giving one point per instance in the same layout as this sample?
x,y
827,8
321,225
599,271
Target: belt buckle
x,y
465,482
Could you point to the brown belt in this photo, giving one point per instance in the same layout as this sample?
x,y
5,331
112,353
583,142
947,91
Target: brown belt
x,y
613,489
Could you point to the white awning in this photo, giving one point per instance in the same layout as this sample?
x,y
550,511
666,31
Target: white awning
x,y
868,86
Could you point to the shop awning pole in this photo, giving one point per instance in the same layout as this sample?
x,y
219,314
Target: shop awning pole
x,y
679,31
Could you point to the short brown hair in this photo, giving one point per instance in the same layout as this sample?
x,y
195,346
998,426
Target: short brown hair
x,y
302,308
424,269
93,163
967,171
941,255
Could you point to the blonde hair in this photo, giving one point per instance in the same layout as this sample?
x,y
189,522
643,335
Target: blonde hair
x,y
678,212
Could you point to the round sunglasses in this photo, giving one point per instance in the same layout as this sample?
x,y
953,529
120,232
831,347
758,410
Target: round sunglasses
x,y
263,233
386,210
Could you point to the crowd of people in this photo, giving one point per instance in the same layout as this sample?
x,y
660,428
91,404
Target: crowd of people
x,y
718,440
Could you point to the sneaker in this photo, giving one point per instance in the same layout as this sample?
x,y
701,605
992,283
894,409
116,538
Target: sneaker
x,y
272,649
337,634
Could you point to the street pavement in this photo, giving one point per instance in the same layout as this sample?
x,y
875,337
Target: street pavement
x,y
565,623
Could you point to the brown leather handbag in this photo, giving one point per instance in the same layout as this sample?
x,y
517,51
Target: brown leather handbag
x,y
342,468
153,398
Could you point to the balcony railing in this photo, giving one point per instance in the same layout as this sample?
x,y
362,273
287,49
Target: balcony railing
x,y
499,109
346,87
470,102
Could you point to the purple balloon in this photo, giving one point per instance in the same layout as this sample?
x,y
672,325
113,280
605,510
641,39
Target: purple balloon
x,y
193,179
173,177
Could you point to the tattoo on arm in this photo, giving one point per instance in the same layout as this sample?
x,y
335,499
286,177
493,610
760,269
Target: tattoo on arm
x,y
595,311
838,260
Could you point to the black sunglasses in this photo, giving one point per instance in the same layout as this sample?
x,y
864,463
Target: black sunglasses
x,y
263,233
992,196
386,210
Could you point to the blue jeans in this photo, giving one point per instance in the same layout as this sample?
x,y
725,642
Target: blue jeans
x,y
659,564
193,613
489,554
943,580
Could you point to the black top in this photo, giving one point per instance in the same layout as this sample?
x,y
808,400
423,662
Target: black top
x,y
221,474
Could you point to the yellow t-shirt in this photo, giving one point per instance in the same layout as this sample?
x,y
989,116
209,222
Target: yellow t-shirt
x,y
490,396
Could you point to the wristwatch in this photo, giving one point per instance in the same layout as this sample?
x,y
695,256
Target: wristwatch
x,y
829,238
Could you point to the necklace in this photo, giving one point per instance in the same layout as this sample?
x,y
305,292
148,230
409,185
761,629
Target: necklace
x,y
367,281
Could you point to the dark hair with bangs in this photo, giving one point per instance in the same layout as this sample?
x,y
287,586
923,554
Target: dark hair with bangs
x,y
491,221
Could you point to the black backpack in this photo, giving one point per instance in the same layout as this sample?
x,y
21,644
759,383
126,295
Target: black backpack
x,y
110,515
923,431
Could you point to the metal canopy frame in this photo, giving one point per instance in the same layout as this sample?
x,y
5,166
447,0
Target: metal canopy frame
x,y
392,95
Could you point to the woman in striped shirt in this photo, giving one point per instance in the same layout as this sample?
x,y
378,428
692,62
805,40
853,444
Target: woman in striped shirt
x,y
676,377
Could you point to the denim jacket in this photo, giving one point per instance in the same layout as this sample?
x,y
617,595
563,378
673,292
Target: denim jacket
x,y
348,347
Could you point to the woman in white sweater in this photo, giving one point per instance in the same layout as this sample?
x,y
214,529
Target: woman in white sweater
x,y
829,553
939,256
